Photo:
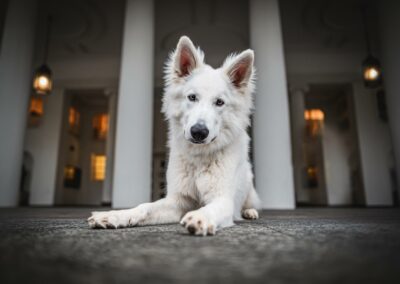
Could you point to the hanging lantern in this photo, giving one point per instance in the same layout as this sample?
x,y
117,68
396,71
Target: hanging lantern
x,y
371,67
372,72
42,80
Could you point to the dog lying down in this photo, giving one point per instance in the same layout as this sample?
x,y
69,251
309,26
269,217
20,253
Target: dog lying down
x,y
209,176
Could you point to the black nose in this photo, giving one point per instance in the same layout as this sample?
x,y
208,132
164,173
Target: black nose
x,y
199,132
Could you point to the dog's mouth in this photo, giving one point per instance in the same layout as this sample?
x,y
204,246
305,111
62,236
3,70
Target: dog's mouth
x,y
201,142
197,142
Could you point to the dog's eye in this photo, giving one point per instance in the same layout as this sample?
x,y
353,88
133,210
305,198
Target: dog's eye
x,y
219,102
192,97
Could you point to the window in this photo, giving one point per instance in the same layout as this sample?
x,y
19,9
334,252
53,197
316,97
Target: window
x,y
100,126
73,119
98,166
72,177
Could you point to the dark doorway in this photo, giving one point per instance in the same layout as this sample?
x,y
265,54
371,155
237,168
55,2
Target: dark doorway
x,y
82,169
328,167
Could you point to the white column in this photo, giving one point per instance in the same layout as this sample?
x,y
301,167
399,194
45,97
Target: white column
x,y
16,54
107,186
297,107
272,145
374,148
134,127
43,144
390,46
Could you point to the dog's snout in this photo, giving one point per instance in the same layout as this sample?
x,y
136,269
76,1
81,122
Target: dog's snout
x,y
199,131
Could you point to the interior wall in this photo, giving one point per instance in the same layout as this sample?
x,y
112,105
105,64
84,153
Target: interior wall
x,y
42,143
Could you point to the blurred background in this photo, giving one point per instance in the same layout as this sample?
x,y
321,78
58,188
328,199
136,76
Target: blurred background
x,y
81,85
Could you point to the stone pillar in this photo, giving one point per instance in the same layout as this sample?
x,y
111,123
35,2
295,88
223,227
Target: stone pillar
x,y
43,144
272,145
16,55
107,186
390,46
297,108
134,125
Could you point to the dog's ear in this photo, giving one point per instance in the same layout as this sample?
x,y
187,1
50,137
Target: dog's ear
x,y
239,68
186,57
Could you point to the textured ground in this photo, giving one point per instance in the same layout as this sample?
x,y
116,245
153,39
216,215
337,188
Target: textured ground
x,y
302,246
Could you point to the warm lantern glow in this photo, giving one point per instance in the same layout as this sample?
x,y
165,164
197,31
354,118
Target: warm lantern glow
x,y
371,74
314,121
36,107
100,126
312,176
69,173
98,165
42,83
313,114
35,111
73,119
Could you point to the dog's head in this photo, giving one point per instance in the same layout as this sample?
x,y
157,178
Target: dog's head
x,y
206,105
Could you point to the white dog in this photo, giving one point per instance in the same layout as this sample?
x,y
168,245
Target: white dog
x,y
209,176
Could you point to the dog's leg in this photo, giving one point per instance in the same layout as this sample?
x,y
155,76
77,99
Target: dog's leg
x,y
206,220
167,210
251,204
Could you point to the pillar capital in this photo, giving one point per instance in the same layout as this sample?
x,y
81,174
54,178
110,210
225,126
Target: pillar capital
x,y
296,88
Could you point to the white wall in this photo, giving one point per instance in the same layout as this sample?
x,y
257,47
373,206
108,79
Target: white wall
x,y
42,143
375,148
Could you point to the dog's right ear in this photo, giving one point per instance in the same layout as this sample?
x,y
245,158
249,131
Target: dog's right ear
x,y
186,57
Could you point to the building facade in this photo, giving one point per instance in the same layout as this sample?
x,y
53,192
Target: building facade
x,y
319,136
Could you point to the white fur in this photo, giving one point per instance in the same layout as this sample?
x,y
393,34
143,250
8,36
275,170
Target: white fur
x,y
211,184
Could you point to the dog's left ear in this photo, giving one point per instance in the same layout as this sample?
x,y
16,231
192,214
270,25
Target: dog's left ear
x,y
240,68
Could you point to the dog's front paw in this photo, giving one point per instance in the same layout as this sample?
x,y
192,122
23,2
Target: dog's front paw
x,y
198,224
250,214
109,220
